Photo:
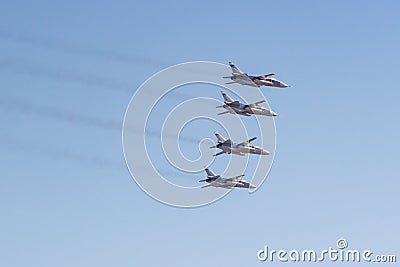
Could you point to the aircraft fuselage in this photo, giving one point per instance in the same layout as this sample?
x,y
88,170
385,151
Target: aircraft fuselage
x,y
242,150
256,81
226,183
247,110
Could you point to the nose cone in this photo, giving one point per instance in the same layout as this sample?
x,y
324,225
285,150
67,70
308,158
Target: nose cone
x,y
265,152
274,114
252,186
284,85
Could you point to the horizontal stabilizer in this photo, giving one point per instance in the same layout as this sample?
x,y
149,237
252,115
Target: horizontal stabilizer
x,y
220,153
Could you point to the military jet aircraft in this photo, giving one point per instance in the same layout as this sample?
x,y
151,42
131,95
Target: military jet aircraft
x,y
242,78
229,147
229,183
235,107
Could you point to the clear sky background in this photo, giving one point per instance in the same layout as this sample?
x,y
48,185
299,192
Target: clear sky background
x,y
69,68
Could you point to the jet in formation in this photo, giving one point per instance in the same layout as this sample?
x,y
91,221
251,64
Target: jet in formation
x,y
235,107
229,147
229,183
242,78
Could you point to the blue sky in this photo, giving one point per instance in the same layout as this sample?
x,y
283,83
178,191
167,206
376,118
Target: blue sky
x,y
69,69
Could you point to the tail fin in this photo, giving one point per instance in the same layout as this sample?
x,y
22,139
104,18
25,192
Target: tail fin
x,y
235,70
209,172
219,137
226,97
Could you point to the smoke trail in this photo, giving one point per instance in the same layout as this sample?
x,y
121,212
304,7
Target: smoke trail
x,y
23,67
14,104
11,103
32,69
58,153
62,154
72,48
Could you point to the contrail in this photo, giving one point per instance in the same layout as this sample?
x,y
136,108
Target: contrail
x,y
32,69
24,67
73,48
18,145
55,73
15,104
58,153
12,103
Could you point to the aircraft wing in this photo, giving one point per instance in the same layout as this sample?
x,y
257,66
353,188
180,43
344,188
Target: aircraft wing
x,y
235,70
219,137
251,79
236,178
256,103
265,76
207,185
245,143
